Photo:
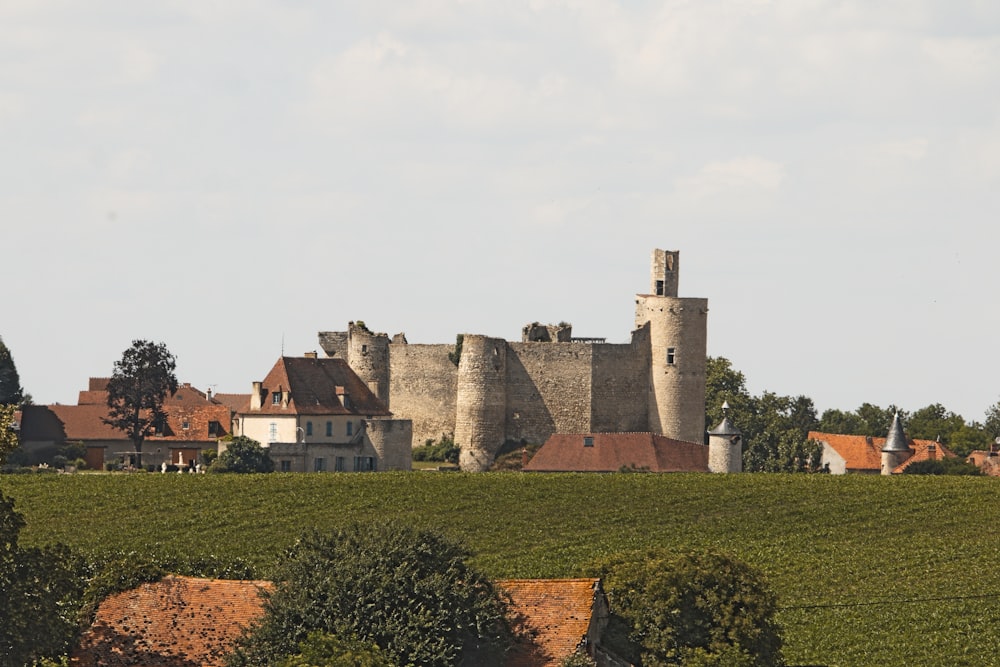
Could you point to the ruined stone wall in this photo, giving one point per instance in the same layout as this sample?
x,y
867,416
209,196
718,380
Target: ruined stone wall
x,y
620,386
423,384
548,389
334,343
368,356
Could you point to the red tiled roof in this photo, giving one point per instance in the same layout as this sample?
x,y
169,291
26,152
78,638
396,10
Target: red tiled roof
x,y
312,383
190,622
232,401
610,452
861,452
551,615
84,422
176,622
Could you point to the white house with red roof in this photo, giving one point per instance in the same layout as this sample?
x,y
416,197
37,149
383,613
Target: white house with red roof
x,y
317,415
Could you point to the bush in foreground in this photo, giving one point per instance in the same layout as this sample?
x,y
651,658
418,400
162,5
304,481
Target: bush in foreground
x,y
409,592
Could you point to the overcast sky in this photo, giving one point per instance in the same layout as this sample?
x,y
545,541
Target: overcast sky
x,y
228,177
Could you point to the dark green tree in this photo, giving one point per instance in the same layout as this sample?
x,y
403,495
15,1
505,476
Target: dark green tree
x,y
409,591
40,589
933,422
10,383
8,434
243,455
702,608
141,381
992,424
321,649
775,428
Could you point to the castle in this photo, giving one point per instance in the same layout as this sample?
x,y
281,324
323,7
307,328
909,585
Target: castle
x,y
488,391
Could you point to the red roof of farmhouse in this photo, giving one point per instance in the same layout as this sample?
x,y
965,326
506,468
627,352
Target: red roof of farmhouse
x,y
862,452
611,452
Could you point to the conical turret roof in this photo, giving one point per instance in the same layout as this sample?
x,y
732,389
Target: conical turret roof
x,y
896,441
725,427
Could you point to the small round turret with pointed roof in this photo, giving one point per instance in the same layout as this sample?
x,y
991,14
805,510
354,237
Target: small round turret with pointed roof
x,y
896,449
725,445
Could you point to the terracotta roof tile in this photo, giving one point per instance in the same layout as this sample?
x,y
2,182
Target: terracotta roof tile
x,y
176,622
610,452
312,384
552,616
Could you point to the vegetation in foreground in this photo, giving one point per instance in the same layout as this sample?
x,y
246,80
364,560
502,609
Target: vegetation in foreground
x,y
860,565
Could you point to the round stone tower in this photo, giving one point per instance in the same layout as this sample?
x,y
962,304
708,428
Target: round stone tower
x,y
896,449
678,333
725,446
481,401
368,356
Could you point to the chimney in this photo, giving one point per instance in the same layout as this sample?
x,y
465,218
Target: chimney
x,y
932,452
311,355
208,393
255,396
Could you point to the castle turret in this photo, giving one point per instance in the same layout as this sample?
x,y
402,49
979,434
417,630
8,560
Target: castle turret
x,y
725,446
481,401
368,356
678,348
896,449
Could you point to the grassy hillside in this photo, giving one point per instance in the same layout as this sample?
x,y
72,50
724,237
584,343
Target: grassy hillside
x,y
869,570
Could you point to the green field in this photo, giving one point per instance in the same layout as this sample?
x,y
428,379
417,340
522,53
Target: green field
x,y
869,570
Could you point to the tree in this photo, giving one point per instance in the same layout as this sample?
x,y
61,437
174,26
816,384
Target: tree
x,y
40,591
322,649
933,422
243,455
992,424
408,591
702,608
8,434
141,381
10,383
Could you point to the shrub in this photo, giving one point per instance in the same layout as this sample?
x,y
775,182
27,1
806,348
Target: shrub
x,y
243,455
444,450
410,592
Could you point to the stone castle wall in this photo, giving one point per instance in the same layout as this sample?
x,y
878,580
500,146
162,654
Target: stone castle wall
x,y
481,401
548,390
620,382
423,387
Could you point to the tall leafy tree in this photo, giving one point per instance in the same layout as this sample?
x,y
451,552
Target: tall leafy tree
x,y
408,591
775,428
142,380
10,383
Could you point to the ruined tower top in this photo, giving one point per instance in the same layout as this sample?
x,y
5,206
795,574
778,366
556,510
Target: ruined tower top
x,y
665,272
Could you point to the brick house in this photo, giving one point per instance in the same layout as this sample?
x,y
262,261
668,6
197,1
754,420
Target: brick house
x,y
195,421
317,415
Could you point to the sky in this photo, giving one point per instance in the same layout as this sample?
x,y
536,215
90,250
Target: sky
x,y
232,177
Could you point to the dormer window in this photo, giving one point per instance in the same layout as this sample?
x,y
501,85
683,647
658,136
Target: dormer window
x,y
185,425
588,441
276,398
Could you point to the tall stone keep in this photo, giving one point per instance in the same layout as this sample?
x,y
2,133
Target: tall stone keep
x,y
481,405
678,346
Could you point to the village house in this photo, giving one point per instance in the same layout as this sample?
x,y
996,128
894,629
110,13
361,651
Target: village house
x,y
195,421
192,621
865,454
317,415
